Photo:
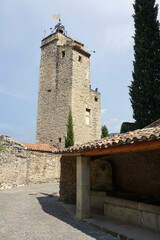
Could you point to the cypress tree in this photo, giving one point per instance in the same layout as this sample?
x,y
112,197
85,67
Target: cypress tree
x,y
69,140
104,131
145,88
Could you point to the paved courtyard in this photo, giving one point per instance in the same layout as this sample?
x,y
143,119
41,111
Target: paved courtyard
x,y
29,213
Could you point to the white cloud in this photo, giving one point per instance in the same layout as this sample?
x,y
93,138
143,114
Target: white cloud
x,y
103,111
5,127
108,8
113,125
115,129
112,121
24,133
14,95
118,38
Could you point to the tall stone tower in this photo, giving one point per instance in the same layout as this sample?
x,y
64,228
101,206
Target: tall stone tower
x,y
64,83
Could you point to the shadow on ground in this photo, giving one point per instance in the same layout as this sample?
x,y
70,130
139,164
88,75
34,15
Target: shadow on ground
x,y
51,206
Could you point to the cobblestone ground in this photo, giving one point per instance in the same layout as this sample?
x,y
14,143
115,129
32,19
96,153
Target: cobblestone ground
x,y
28,213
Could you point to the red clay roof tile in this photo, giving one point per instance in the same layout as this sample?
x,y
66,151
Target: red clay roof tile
x,y
40,147
140,135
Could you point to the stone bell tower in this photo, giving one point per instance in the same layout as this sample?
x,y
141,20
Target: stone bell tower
x,y
64,83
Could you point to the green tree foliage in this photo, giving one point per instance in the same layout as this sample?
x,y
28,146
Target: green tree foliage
x,y
2,148
69,140
127,126
104,131
145,88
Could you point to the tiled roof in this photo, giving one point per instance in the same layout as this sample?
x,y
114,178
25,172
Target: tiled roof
x,y
40,147
140,135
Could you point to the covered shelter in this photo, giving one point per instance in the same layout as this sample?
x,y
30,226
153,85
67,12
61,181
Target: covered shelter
x,y
119,174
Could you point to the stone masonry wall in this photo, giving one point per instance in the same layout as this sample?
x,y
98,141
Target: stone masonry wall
x,y
84,98
43,167
54,90
137,172
68,179
20,166
133,173
64,83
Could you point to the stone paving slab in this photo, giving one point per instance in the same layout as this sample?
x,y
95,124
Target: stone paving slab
x,y
123,231
29,213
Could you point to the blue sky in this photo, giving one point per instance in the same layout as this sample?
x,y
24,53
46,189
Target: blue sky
x,y
103,26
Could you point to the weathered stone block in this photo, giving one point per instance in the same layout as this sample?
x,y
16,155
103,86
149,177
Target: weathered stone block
x,y
133,212
20,166
97,199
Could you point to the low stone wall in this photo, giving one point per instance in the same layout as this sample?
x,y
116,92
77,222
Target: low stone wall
x,y
21,166
141,214
97,199
43,167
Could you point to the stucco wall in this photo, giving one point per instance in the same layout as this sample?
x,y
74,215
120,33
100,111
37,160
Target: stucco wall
x,y
19,166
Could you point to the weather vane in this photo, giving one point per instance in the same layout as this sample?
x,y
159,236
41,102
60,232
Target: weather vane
x,y
56,16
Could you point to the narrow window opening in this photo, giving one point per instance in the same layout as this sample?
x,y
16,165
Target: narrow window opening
x,y
63,53
79,59
60,139
49,90
50,140
96,99
88,116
